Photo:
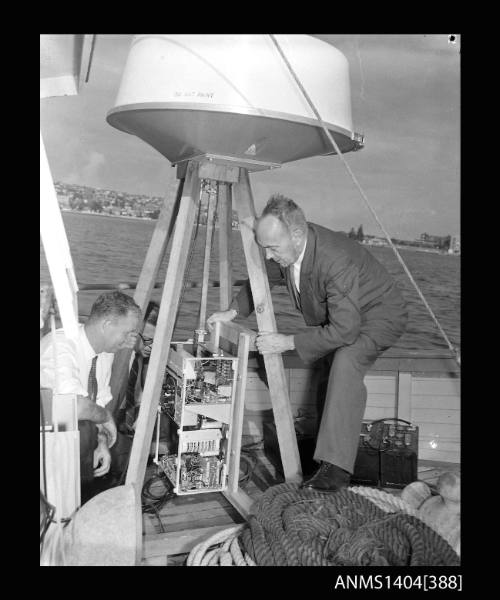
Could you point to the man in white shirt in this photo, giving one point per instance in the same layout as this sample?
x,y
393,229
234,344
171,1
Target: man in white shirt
x,y
83,367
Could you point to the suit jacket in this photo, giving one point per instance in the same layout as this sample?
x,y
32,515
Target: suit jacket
x,y
344,290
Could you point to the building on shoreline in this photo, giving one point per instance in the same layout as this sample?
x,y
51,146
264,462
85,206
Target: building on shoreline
x,y
455,244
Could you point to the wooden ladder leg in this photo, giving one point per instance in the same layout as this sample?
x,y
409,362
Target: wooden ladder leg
x,y
278,385
163,334
147,279
238,497
225,233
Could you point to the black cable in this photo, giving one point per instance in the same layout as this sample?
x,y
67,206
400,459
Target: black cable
x,y
250,460
152,503
49,512
252,445
250,463
156,512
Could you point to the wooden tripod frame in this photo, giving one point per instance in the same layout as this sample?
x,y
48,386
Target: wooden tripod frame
x,y
233,181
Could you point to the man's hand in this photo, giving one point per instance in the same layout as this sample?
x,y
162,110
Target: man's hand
x,y
131,340
102,457
272,343
108,428
225,315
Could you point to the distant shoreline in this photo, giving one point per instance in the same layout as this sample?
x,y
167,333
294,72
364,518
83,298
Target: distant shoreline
x,y
414,249
97,214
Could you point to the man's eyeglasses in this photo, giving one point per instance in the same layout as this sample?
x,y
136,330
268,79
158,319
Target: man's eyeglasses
x,y
146,340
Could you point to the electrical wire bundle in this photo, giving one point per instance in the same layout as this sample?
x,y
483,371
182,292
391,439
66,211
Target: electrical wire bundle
x,y
193,471
248,459
156,492
249,462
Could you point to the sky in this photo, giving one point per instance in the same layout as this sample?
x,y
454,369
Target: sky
x,y
405,94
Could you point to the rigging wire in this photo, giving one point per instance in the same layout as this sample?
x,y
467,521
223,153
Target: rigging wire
x,y
92,48
455,351
362,83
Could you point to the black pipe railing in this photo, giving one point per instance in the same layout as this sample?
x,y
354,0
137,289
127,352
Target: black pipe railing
x,y
85,287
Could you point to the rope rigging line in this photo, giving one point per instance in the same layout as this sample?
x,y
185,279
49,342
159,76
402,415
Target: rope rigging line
x,y
455,351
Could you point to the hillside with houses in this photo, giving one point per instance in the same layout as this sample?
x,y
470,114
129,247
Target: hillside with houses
x,y
88,199
114,203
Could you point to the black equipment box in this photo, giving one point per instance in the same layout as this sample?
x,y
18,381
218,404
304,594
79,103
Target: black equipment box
x,y
387,453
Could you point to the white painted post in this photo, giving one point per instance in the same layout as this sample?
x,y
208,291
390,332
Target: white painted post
x,y
404,396
56,247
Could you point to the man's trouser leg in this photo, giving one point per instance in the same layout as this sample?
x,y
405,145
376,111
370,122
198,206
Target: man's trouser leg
x,y
88,443
344,403
120,453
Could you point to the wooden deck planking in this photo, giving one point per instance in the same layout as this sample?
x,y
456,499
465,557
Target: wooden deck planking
x,y
205,514
438,454
448,431
435,415
182,511
175,543
435,401
373,413
430,399
435,386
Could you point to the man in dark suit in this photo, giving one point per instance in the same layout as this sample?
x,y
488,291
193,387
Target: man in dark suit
x,y
130,399
353,309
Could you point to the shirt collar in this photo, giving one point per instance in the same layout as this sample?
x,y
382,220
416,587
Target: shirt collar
x,y
299,260
86,346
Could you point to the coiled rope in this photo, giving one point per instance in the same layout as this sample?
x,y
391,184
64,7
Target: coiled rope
x,y
455,351
389,503
223,555
303,527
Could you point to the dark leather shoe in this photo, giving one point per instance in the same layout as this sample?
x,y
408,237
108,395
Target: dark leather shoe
x,y
328,478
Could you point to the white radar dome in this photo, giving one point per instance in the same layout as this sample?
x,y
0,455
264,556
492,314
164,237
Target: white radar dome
x,y
233,96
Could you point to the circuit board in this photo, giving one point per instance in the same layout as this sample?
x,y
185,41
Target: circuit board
x,y
198,396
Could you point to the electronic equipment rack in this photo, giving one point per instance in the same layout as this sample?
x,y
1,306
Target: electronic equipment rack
x,y
198,396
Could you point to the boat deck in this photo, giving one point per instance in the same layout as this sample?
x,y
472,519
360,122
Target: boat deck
x,y
213,511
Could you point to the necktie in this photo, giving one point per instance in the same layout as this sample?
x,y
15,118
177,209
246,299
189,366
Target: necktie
x,y
134,389
92,385
139,383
